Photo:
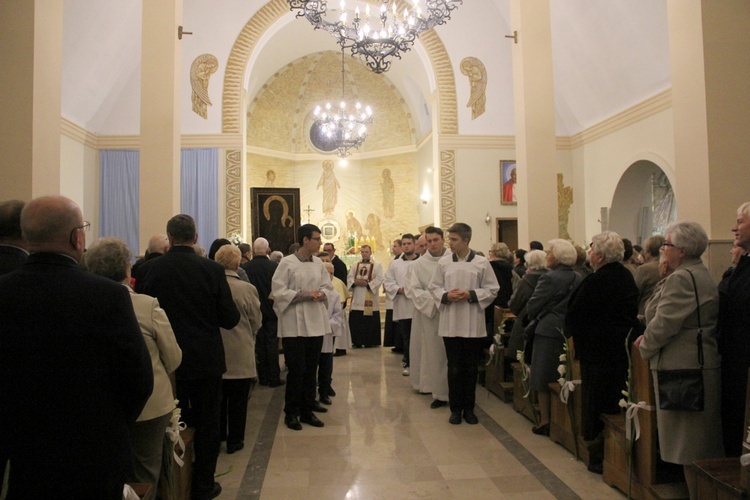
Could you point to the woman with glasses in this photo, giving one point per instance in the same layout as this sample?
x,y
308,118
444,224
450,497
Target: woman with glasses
x,y
684,309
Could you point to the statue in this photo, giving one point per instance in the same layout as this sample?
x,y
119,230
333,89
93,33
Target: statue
x,y
564,201
388,193
474,69
330,187
201,70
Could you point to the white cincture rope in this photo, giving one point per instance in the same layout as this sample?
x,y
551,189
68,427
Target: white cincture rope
x,y
568,387
632,414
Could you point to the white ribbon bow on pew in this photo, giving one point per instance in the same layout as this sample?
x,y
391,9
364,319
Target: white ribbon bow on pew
x,y
632,414
567,388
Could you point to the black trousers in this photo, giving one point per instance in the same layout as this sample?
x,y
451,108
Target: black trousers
x,y
404,328
200,403
464,355
325,372
388,335
267,352
234,395
301,355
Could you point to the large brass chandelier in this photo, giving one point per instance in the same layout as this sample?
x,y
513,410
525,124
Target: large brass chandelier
x,y
377,38
340,128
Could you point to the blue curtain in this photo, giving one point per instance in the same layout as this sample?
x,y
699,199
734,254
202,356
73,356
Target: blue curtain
x,y
118,196
199,191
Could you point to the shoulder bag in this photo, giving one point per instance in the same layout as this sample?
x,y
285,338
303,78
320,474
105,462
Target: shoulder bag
x,y
682,390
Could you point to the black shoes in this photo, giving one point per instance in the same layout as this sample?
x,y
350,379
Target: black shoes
x,y
319,409
455,418
339,352
325,399
470,418
438,404
276,383
541,430
311,419
231,448
292,422
596,468
331,392
216,491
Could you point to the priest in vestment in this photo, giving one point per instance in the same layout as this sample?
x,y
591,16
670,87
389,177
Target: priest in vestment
x,y
432,375
364,280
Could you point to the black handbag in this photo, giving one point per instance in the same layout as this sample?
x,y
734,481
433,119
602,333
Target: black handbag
x,y
682,390
528,345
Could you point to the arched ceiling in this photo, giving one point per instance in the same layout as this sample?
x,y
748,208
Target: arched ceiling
x,y
280,114
608,56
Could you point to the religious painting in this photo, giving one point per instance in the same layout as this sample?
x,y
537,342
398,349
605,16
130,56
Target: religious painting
x,y
508,182
275,216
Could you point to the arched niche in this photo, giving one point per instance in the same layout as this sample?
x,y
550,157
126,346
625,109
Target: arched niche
x,y
643,203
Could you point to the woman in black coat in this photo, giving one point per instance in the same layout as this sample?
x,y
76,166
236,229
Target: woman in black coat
x,y
601,312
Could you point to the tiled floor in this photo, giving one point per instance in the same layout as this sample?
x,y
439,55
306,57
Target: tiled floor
x,y
382,440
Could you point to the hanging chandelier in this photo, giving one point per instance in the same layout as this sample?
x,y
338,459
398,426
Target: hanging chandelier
x,y
339,128
378,38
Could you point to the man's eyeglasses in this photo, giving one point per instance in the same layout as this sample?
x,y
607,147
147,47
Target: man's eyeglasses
x,y
86,226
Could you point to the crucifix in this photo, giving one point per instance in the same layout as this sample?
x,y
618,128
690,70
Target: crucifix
x,y
308,210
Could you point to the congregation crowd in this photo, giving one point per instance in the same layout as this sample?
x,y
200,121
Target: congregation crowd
x,y
98,356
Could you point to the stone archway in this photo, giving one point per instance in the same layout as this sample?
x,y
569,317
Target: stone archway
x,y
643,202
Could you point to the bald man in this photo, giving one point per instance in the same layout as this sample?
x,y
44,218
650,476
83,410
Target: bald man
x,y
158,245
69,343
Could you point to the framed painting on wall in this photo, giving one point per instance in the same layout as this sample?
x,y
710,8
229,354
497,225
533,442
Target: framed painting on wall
x,y
508,182
275,216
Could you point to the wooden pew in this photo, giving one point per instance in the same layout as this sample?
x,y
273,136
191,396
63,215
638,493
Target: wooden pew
x,y
651,478
182,475
722,477
495,375
560,428
524,406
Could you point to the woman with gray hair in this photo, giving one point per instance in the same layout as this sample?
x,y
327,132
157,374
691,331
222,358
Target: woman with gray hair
x,y
681,320
546,308
601,313
110,257
535,260
239,350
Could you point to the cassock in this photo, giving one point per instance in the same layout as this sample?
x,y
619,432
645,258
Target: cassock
x,y
464,319
364,316
306,318
432,375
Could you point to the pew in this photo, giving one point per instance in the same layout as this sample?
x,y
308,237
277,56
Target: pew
x,y
722,478
182,475
560,428
495,371
651,478
524,406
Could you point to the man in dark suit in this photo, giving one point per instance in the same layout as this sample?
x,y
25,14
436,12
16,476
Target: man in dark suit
x,y
74,369
196,297
339,268
259,271
13,250
158,245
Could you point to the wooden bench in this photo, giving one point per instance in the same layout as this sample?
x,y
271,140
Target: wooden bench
x,y
182,475
524,406
495,377
651,478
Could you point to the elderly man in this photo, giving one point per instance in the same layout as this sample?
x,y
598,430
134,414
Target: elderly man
x,y
158,245
364,280
301,287
195,294
420,247
260,271
70,342
734,318
13,252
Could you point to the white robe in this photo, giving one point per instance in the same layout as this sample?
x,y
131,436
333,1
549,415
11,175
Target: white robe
x,y
359,292
395,278
426,349
464,319
303,318
337,320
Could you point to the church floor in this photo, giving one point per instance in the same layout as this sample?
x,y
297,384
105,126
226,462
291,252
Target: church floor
x,y
382,440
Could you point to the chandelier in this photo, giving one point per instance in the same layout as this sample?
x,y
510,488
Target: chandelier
x,y
377,38
340,128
